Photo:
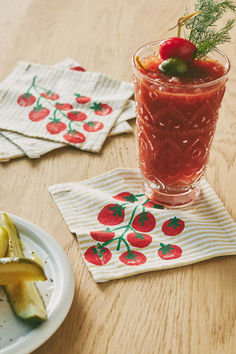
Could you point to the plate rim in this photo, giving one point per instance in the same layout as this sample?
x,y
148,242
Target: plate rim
x,y
41,334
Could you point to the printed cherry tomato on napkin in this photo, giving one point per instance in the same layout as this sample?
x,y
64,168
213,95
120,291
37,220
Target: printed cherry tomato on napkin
x,y
74,137
126,197
50,95
77,116
92,127
26,100
139,240
38,113
151,204
102,236
144,222
55,127
111,214
82,99
64,106
133,258
77,68
169,251
101,109
98,255
173,226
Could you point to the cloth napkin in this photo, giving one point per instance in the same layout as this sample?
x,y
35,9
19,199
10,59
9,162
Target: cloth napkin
x,y
8,150
62,115
122,233
35,148
31,147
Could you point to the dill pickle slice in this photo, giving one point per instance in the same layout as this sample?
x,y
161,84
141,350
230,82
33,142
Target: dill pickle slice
x,y
24,297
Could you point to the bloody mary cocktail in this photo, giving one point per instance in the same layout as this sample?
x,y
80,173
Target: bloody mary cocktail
x,y
176,121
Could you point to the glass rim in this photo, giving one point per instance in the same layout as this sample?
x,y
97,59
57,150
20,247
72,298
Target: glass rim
x,y
185,86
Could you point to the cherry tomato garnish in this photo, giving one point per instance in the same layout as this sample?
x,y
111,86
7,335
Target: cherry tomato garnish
x,y
177,47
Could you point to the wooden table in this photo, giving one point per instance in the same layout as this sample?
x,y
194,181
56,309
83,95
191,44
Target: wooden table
x,y
186,310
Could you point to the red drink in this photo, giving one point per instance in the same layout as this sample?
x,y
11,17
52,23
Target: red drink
x,y
176,121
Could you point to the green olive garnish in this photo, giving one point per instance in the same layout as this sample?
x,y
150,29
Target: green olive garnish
x,y
173,66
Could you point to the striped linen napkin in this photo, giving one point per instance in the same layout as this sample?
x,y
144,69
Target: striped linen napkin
x,y
8,150
121,233
76,108
31,147
35,147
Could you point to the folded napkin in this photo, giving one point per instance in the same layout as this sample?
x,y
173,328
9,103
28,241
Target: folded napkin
x,y
65,106
35,147
31,147
8,150
122,233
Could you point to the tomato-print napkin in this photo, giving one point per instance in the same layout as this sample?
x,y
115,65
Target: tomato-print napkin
x,y
65,106
35,147
122,233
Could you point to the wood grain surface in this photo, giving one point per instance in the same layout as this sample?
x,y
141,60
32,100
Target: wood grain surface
x,y
186,310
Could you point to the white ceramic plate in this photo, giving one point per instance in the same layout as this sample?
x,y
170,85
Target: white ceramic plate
x,y
15,335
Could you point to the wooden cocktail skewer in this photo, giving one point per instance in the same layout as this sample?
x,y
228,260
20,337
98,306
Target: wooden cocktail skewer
x,y
182,20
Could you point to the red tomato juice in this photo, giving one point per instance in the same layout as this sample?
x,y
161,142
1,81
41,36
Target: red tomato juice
x,y
176,121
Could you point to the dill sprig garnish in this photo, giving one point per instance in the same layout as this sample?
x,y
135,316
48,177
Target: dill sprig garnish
x,y
203,31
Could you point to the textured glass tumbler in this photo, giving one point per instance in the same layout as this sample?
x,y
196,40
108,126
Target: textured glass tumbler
x,y
176,125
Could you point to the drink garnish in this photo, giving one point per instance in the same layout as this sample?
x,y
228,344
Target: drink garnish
x,y
173,66
138,61
203,31
182,20
178,48
203,37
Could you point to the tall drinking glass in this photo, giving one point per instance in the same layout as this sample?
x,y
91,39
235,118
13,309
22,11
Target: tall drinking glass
x,y
176,124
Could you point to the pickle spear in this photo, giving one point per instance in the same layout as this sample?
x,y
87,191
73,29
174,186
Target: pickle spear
x,y
15,270
3,242
24,297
